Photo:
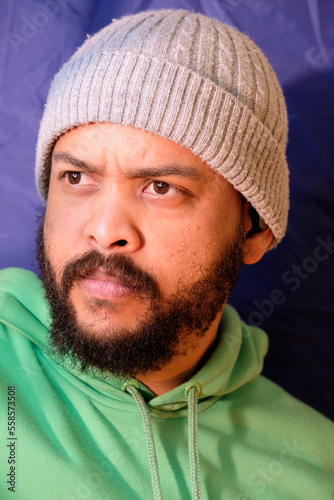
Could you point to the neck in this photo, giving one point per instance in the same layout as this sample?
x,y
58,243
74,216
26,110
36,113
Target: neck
x,y
183,367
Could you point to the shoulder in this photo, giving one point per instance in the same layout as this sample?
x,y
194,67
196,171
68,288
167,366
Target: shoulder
x,y
14,280
283,421
279,444
23,307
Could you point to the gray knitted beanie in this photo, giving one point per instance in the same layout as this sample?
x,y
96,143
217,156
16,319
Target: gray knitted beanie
x,y
187,78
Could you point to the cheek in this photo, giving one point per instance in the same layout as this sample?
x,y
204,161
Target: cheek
x,y
180,255
61,233
177,243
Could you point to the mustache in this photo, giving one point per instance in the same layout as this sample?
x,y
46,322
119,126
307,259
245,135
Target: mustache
x,y
115,265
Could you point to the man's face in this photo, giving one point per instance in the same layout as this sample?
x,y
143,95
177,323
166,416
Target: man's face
x,y
142,244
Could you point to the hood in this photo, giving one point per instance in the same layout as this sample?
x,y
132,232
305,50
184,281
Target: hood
x,y
237,358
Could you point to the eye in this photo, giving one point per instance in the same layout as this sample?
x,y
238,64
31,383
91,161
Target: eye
x,y
161,187
75,178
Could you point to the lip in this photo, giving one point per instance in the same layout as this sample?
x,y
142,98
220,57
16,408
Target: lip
x,y
105,287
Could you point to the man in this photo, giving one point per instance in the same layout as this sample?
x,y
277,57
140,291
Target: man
x,y
161,158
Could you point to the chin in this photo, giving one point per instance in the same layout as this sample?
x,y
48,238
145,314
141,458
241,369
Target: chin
x,y
104,318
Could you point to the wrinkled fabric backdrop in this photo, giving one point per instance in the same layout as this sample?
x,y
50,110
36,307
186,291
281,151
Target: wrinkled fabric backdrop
x,y
290,292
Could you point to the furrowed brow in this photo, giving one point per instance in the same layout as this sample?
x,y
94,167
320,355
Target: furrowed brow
x,y
185,171
169,170
61,156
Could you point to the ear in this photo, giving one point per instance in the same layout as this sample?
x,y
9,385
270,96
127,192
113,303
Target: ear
x,y
256,244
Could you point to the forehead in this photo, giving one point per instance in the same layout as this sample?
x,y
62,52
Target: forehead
x,y
106,144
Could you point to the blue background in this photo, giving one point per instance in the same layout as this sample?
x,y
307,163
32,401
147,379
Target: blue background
x,y
290,292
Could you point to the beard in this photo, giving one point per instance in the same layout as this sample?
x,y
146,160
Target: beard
x,y
167,328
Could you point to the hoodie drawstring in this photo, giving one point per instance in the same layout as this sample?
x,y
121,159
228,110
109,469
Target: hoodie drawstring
x,y
152,456
191,393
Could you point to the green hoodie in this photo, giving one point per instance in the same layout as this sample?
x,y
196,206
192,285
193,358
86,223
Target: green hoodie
x,y
74,436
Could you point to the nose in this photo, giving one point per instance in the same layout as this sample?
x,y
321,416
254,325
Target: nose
x,y
111,225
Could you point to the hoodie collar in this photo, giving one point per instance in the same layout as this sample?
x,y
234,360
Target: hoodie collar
x,y
236,360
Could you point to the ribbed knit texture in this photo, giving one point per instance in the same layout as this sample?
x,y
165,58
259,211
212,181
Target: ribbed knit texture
x,y
187,78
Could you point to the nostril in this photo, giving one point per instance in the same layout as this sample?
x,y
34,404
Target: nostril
x,y
121,243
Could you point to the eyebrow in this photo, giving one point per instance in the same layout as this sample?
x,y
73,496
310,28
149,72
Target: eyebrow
x,y
185,171
75,162
175,170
